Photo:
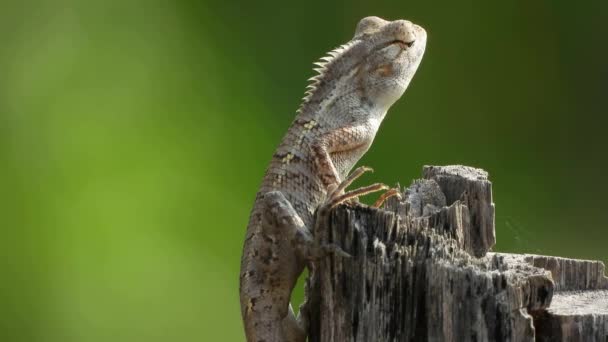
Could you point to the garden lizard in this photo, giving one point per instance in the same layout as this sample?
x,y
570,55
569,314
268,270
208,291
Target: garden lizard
x,y
334,126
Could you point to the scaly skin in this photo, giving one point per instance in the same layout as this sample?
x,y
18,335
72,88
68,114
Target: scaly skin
x,y
334,127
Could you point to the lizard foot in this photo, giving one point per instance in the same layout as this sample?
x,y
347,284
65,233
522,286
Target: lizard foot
x,y
336,194
320,251
349,180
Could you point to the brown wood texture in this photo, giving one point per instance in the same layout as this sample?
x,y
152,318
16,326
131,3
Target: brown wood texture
x,y
420,270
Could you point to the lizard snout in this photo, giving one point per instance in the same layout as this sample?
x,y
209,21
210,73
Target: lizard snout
x,y
406,31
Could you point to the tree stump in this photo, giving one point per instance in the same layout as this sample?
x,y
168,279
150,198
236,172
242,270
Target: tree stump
x,y
420,270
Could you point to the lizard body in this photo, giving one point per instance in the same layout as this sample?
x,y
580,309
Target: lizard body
x,y
333,128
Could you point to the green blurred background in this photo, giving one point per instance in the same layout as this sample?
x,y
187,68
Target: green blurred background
x,y
134,134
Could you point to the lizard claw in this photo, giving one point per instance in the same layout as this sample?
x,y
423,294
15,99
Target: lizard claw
x,y
394,192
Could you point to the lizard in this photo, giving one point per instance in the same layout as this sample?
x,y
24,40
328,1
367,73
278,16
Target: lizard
x,y
334,126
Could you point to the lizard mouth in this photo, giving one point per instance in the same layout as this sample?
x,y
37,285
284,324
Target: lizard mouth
x,y
402,43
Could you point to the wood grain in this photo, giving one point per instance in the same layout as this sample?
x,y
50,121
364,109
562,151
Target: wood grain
x,y
420,270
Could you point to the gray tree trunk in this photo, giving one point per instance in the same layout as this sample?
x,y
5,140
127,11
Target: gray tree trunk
x,y
420,270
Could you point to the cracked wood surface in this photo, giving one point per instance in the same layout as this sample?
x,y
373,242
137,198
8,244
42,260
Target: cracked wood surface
x,y
421,270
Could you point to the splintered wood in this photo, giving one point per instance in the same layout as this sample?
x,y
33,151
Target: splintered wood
x,y
420,270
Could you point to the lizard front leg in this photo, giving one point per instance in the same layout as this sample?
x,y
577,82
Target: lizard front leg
x,y
351,142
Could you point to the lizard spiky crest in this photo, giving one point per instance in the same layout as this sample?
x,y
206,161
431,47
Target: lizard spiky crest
x,y
323,64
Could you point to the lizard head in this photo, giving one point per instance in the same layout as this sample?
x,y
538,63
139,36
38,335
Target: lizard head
x,y
393,51
376,66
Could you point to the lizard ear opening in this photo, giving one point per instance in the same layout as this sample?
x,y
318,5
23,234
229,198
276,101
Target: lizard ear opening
x,y
369,25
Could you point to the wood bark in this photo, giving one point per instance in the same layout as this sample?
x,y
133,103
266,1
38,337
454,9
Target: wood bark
x,y
420,270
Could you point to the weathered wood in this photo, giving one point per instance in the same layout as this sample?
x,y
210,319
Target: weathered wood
x,y
472,187
579,309
419,271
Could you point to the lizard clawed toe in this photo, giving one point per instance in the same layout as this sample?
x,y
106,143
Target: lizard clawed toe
x,y
394,192
333,202
336,194
338,190
319,251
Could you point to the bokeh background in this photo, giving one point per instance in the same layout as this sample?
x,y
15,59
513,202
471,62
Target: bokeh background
x,y
134,134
